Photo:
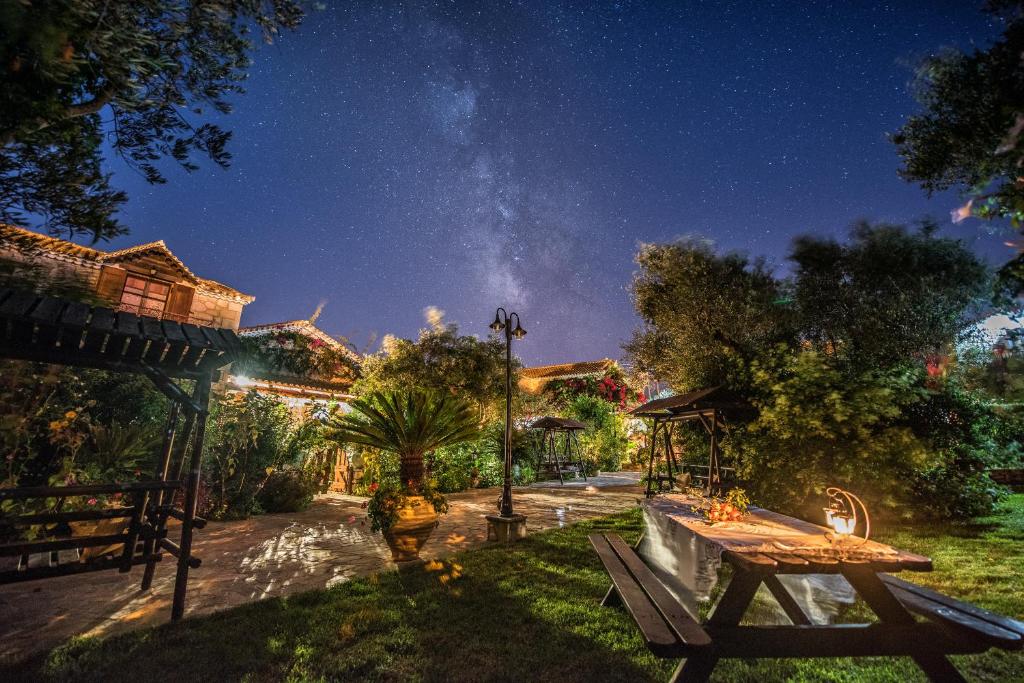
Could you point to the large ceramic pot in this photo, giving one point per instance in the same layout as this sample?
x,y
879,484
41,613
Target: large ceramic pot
x,y
416,521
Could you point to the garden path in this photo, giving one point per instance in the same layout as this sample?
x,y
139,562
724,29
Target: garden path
x,y
269,556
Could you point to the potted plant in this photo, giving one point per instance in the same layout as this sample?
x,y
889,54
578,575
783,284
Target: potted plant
x,y
411,424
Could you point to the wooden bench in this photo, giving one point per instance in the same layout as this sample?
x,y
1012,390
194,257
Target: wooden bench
x,y
961,619
951,626
667,628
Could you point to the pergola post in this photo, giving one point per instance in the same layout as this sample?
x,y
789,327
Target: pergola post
x,y
162,469
191,498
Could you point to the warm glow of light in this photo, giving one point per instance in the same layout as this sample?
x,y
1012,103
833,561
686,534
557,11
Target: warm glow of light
x,y
842,513
243,381
842,524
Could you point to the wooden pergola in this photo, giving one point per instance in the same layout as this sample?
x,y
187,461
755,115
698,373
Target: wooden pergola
x,y
47,329
548,458
707,406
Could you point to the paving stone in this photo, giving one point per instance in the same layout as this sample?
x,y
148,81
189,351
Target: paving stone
x,y
270,556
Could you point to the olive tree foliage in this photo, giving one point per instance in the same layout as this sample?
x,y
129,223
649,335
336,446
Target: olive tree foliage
x,y
969,134
440,359
834,360
700,310
147,76
887,295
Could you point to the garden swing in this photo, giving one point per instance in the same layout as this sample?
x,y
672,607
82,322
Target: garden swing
x,y
548,460
708,407
45,329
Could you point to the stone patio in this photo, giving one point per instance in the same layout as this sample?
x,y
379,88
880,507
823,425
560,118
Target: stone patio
x,y
273,555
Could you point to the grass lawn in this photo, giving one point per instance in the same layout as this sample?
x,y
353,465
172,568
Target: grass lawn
x,y
526,613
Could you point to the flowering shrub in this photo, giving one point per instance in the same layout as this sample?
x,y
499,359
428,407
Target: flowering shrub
x,y
387,499
297,354
611,388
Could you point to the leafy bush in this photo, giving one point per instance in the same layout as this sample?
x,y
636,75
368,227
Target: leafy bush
x,y
606,441
249,438
491,469
61,425
818,427
288,490
452,467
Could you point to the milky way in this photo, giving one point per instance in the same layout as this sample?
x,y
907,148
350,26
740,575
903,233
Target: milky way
x,y
393,157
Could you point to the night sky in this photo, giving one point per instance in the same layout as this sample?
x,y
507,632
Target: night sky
x,y
390,158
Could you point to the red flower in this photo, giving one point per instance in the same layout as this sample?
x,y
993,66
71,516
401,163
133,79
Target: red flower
x,y
373,487
92,501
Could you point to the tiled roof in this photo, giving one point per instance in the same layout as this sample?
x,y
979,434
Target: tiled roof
x,y
301,326
33,241
590,367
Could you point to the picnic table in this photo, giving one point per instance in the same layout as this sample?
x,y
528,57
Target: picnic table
x,y
780,552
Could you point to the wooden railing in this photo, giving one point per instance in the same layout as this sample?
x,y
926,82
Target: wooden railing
x,y
161,314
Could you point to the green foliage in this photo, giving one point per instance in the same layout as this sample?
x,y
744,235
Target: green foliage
x,y
386,499
141,73
885,296
699,309
840,393
296,354
117,451
440,360
969,132
453,467
289,490
410,423
818,426
605,443
249,438
66,424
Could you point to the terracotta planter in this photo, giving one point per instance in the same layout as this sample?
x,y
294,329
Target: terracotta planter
x,y
416,521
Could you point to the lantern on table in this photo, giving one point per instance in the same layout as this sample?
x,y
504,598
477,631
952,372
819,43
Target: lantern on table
x,y
841,514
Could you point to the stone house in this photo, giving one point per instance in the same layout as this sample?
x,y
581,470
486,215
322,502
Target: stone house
x,y
331,383
147,279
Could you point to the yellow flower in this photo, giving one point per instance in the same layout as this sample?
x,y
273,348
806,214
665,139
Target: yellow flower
x,y
56,425
71,415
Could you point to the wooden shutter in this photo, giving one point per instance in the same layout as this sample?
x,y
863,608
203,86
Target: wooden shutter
x,y
179,303
111,284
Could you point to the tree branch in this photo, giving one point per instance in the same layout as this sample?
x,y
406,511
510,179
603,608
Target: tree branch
x,y
102,99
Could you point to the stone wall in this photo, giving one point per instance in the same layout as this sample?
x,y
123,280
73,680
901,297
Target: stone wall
x,y
216,311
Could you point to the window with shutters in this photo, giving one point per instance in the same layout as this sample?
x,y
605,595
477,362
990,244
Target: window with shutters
x,y
144,296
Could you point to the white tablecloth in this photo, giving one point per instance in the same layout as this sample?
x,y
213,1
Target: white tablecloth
x,y
690,566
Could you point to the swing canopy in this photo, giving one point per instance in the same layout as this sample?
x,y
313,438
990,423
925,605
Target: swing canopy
x,y
708,406
691,405
557,424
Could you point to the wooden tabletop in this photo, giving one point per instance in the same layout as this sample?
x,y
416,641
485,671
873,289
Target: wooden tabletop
x,y
772,543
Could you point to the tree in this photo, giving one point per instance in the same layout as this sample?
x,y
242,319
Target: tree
x,y
140,73
410,423
834,359
440,360
699,308
970,134
886,296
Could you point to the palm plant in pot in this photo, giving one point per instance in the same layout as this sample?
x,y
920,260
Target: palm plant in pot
x,y
411,424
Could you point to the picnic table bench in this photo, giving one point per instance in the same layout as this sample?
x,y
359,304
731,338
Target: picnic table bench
x,y
669,630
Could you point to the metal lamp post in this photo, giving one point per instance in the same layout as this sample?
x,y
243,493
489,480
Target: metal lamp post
x,y
503,321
